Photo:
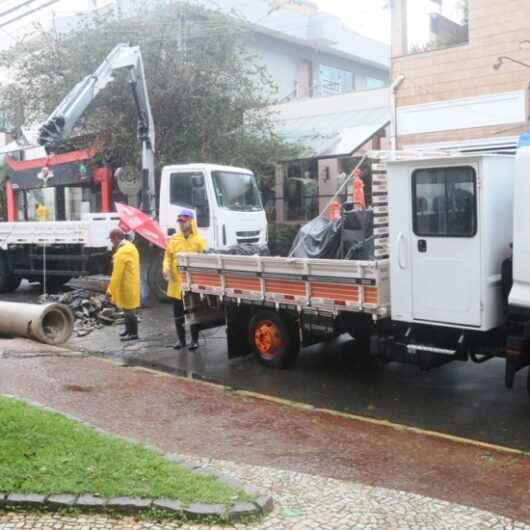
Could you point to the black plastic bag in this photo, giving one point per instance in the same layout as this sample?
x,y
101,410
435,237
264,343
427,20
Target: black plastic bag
x,y
357,234
320,238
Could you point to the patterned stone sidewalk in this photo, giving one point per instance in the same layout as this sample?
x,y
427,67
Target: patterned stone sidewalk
x,y
302,502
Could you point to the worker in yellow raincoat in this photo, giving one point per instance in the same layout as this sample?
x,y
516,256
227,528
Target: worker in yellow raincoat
x,y
187,239
41,212
124,287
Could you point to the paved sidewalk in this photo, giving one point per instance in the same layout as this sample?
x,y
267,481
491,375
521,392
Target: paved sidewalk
x,y
303,502
323,471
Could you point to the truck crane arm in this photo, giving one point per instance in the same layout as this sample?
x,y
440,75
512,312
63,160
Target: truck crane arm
x,y
62,120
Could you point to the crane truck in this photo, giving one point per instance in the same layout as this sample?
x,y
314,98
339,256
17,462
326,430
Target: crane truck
x,y
438,289
225,199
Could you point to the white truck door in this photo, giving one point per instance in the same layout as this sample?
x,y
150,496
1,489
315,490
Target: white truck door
x,y
445,246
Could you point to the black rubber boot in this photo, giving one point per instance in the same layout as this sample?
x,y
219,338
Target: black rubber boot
x,y
132,324
194,339
181,334
127,331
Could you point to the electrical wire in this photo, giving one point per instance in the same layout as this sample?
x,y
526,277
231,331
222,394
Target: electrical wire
x,y
27,13
16,8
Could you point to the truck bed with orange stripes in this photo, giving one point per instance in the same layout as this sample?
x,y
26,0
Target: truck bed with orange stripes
x,y
323,284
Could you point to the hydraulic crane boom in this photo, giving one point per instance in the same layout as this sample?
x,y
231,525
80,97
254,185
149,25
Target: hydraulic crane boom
x,y
62,120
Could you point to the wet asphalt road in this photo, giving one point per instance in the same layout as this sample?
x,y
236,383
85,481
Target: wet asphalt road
x,y
461,399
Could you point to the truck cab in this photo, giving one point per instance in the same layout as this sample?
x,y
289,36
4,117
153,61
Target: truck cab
x,y
451,222
226,202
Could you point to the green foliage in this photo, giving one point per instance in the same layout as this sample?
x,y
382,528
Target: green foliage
x,y
43,452
281,237
208,94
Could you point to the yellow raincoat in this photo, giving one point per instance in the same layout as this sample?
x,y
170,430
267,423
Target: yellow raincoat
x,y
178,243
42,213
124,286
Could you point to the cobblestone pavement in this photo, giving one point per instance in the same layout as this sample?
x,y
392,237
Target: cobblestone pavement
x,y
302,502
324,472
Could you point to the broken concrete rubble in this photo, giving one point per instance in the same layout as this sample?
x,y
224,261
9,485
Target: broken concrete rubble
x,y
91,310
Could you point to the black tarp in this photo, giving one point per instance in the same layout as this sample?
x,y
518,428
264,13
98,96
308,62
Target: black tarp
x,y
349,237
320,238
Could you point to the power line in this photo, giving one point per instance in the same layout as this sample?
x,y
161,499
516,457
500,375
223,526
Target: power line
x,y
16,8
27,13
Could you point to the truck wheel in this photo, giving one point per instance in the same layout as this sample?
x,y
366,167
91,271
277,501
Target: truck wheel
x,y
274,340
8,282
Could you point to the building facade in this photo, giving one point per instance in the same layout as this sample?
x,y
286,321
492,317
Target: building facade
x,y
307,52
468,89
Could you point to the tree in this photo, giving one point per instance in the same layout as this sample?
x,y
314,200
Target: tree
x,y
208,94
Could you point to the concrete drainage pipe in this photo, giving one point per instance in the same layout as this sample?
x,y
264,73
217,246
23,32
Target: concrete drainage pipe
x,y
50,323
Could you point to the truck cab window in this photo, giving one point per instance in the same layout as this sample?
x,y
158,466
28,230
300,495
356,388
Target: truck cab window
x,y
186,190
444,202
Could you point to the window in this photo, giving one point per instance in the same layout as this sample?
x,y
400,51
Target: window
x,y
236,191
301,192
444,202
436,24
181,189
372,82
363,82
189,190
334,80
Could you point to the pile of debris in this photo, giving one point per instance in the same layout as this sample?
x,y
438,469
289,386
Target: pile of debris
x,y
92,310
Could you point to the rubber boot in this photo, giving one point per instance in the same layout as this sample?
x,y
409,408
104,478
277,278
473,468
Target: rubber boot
x,y
127,331
181,334
132,324
194,339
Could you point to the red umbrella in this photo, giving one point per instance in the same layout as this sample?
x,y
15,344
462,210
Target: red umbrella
x,y
134,220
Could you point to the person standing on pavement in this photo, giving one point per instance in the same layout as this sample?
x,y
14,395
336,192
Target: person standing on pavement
x,y
187,239
124,287
41,212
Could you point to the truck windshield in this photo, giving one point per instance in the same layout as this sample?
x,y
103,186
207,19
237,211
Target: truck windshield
x,y
236,191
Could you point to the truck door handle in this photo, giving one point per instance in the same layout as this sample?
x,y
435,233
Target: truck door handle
x,y
402,262
422,245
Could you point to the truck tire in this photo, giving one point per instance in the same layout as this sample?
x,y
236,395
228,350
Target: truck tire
x,y
274,339
8,282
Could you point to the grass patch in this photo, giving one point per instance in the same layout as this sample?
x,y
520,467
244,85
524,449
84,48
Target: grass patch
x,y
44,452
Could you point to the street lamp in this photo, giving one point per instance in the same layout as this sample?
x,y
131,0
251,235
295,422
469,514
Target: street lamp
x,y
500,60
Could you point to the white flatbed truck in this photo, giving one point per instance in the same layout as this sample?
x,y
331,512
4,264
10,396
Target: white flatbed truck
x,y
441,295
225,199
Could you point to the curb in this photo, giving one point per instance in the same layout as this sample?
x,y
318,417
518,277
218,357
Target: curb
x,y
261,505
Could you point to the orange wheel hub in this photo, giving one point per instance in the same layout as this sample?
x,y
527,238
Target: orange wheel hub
x,y
267,338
